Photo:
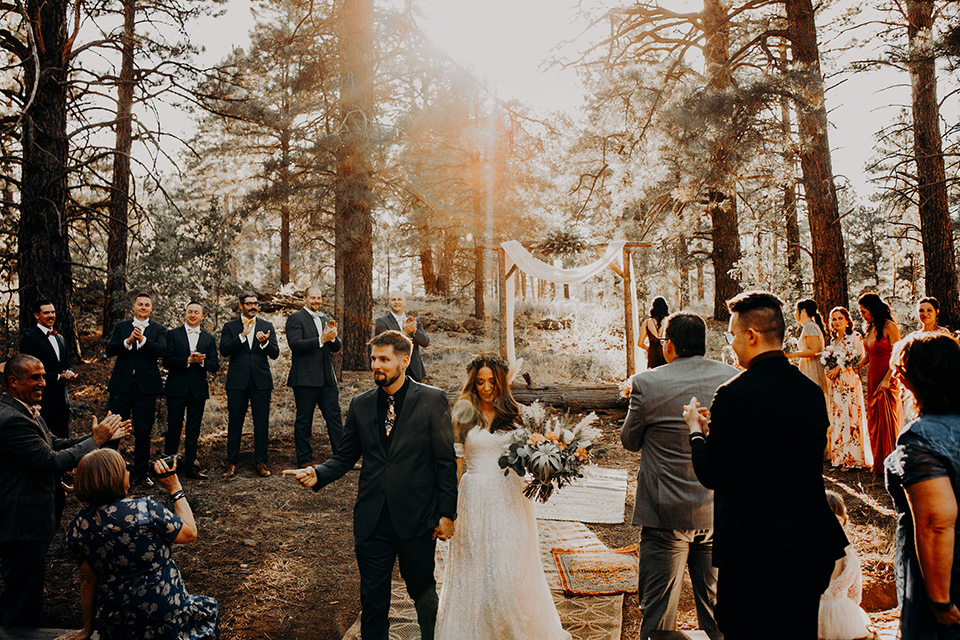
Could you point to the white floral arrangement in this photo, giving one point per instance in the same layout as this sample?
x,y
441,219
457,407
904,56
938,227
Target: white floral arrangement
x,y
838,356
549,450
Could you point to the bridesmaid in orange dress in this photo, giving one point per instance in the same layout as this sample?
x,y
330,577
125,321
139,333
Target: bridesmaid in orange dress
x,y
883,391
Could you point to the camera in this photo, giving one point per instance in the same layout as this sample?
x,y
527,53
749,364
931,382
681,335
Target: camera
x,y
169,460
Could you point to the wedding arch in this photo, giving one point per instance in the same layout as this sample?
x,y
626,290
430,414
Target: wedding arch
x,y
514,256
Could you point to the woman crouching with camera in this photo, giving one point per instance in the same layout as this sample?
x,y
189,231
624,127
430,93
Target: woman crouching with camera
x,y
129,582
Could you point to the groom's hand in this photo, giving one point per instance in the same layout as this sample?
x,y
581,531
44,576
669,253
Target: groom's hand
x,y
307,477
444,530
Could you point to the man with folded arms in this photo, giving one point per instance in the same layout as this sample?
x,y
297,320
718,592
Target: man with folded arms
x,y
191,354
31,462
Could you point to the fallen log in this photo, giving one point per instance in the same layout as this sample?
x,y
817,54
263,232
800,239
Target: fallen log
x,y
575,398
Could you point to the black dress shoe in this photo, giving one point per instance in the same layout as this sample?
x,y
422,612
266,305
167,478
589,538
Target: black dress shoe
x,y
196,474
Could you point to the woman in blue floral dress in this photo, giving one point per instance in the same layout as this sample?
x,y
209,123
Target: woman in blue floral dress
x,y
129,582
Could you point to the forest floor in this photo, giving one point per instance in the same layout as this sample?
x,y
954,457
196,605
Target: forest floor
x,y
279,558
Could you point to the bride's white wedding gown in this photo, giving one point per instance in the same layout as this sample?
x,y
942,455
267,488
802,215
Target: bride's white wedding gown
x,y
494,587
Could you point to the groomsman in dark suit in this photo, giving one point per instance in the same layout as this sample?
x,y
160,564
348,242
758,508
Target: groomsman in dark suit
x,y
249,342
135,383
397,320
407,498
775,540
45,344
312,337
31,461
191,354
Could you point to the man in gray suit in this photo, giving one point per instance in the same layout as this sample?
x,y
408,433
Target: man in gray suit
x,y
674,510
312,337
398,320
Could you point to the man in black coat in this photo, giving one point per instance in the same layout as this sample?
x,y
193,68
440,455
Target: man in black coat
x,y
250,343
31,462
398,320
191,354
407,496
312,337
776,540
135,383
44,343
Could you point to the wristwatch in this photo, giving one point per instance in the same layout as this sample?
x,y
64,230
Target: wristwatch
x,y
942,607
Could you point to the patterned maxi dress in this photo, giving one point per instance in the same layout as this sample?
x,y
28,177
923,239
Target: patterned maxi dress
x,y
849,441
883,408
140,593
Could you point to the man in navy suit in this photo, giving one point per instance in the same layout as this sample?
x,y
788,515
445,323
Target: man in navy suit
x,y
312,337
398,320
135,383
776,540
250,343
31,461
407,497
191,354
45,344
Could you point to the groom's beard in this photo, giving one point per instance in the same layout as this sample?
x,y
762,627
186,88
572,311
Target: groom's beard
x,y
381,379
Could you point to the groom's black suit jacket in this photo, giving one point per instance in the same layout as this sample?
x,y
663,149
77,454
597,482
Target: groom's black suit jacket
x,y
764,460
138,366
184,379
416,476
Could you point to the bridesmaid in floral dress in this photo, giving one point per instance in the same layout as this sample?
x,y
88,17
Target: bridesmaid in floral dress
x,y
883,391
849,443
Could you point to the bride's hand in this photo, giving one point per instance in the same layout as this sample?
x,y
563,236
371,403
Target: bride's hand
x,y
444,530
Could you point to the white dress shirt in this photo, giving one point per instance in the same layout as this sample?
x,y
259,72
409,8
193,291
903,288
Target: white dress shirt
x,y
317,320
52,339
193,335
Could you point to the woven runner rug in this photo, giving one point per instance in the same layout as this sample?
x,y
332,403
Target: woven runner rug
x,y
585,617
598,498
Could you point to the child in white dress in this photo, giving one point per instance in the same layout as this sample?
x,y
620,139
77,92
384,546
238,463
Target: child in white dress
x,y
841,617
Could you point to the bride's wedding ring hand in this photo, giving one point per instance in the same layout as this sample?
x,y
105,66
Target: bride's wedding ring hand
x,y
444,530
307,477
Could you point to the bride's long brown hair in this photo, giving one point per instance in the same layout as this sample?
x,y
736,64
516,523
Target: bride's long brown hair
x,y
466,411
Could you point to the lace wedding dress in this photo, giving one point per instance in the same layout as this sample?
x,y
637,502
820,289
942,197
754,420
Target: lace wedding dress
x,y
494,587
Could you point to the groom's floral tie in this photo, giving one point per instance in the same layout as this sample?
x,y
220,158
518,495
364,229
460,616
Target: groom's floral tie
x,y
391,416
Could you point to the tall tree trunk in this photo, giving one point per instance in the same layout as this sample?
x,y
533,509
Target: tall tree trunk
x,y
43,253
119,208
721,206
285,206
478,282
794,266
829,261
354,184
426,270
940,271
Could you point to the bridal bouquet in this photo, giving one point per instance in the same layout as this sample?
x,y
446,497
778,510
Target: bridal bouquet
x,y
550,449
838,356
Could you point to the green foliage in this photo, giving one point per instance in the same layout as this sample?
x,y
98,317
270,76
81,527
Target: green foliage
x,y
191,256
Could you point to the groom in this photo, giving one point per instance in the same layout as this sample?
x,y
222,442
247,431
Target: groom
x,y
407,496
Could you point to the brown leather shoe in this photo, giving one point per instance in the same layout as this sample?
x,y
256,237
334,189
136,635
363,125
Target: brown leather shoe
x,y
231,470
196,474
262,470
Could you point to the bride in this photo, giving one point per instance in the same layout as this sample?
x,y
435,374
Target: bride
x,y
494,587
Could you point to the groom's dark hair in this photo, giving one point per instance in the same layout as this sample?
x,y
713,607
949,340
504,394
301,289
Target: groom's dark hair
x,y
401,344
687,332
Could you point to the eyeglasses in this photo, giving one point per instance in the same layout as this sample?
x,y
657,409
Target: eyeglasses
x,y
730,336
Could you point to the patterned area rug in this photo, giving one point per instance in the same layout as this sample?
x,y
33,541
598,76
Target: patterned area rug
x,y
585,617
587,572
598,497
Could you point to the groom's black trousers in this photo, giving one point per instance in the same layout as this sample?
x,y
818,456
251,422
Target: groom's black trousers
x,y
376,555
